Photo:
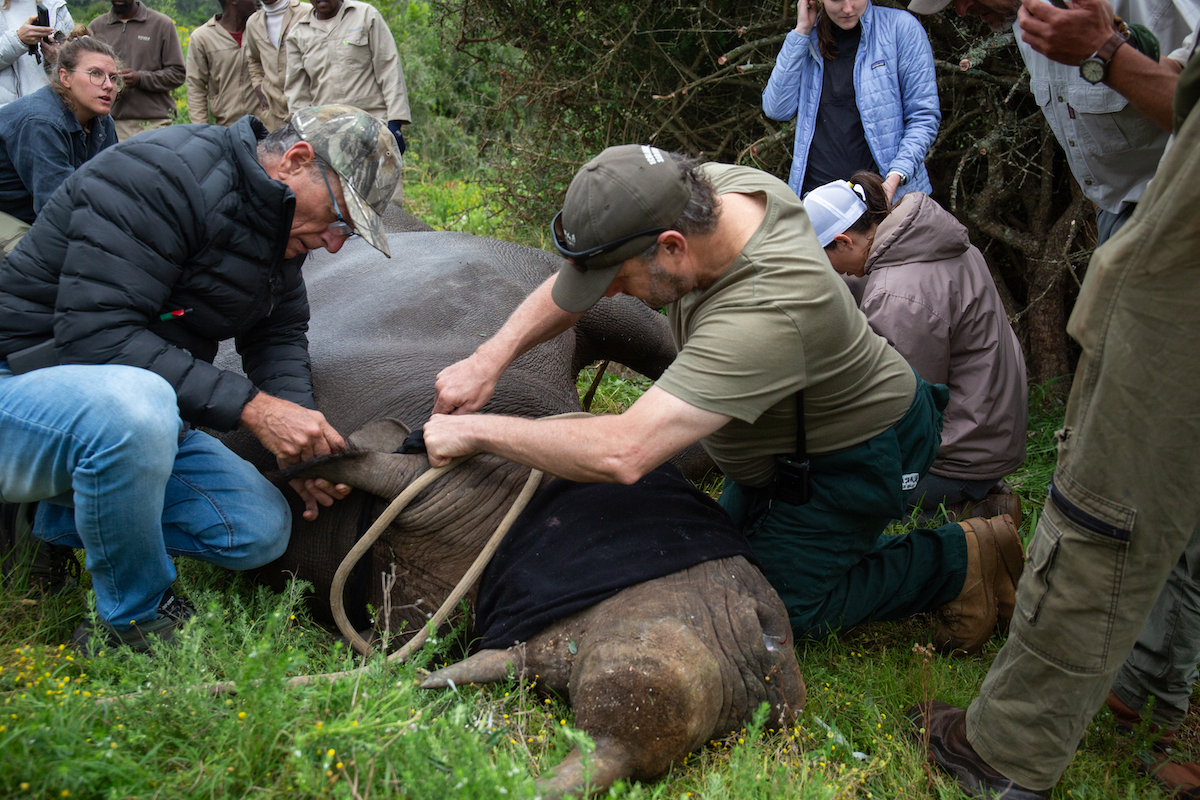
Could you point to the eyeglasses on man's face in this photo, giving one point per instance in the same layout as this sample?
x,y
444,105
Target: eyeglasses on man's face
x,y
98,77
341,227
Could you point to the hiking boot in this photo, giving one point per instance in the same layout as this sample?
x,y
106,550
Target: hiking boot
x,y
999,501
995,559
173,612
27,561
946,745
1127,720
1180,778
1010,566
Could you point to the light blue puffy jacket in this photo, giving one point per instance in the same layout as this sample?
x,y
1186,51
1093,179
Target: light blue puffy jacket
x,y
894,86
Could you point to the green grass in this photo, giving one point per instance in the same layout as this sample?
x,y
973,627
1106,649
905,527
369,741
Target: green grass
x,y
121,725
459,203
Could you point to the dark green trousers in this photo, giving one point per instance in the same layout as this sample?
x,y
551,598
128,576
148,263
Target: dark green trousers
x,y
829,559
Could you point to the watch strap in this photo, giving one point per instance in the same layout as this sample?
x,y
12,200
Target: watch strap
x,y
1109,48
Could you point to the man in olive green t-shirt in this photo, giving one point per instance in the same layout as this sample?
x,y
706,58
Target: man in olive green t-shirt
x,y
758,316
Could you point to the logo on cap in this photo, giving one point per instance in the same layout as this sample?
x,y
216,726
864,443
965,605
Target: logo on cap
x,y
653,155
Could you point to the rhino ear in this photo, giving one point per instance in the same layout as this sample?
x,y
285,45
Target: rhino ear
x,y
380,436
383,474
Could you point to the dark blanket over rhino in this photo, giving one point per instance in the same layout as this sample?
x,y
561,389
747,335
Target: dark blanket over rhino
x,y
577,544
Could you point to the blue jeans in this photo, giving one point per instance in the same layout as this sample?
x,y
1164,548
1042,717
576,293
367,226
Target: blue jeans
x,y
103,445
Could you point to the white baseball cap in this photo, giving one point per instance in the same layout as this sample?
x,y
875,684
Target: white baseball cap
x,y
833,208
927,6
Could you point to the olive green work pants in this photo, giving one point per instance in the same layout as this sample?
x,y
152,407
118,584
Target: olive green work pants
x,y
1123,503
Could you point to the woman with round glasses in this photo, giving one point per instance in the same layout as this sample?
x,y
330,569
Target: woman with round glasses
x,y
47,135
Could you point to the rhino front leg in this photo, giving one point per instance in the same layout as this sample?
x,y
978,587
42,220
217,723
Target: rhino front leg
x,y
486,666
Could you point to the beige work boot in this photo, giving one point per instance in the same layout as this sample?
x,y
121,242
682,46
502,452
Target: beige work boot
x,y
995,559
969,619
1010,563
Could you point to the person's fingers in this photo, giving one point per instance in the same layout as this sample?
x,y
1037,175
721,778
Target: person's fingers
x,y
336,443
310,503
324,492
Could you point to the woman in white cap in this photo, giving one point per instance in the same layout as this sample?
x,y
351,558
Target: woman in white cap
x,y
929,292
860,83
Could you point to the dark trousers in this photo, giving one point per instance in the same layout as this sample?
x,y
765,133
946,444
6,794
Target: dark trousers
x,y
828,558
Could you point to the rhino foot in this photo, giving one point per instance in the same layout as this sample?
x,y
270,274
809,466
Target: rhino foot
x,y
581,775
486,666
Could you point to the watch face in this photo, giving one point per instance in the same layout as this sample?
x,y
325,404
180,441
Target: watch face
x,y
1092,70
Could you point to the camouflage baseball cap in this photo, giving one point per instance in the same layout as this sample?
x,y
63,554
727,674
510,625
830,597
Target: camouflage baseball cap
x,y
362,151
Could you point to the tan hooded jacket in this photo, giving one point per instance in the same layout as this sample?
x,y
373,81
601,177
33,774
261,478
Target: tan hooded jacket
x,y
930,294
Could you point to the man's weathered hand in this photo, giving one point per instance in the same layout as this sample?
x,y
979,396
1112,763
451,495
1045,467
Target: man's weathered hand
x,y
1066,35
263,105
446,438
464,386
294,434
291,432
131,77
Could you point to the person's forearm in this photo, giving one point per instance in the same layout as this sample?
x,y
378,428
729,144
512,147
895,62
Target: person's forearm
x,y
598,453
1148,85
163,80
197,98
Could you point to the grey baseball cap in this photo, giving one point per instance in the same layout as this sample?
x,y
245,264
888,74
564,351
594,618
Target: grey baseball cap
x,y
362,151
927,6
616,206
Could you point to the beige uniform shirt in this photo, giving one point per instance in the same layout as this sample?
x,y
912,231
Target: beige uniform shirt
x,y
349,59
777,321
218,81
268,64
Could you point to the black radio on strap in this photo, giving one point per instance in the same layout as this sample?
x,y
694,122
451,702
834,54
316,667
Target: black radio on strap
x,y
791,483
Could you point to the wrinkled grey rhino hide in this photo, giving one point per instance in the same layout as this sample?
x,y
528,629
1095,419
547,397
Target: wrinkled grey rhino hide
x,y
382,329
652,673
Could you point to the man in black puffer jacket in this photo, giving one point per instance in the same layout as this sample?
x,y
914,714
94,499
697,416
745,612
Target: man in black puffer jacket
x,y
111,309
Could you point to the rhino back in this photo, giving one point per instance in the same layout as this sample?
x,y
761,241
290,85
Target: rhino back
x,y
380,331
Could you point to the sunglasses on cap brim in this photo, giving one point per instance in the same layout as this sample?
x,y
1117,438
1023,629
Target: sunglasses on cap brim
x,y
580,257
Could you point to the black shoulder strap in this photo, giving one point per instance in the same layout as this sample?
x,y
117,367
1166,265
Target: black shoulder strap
x,y
801,436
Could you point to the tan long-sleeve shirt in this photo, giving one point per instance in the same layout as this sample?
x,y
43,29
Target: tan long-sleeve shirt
x,y
350,58
218,80
268,64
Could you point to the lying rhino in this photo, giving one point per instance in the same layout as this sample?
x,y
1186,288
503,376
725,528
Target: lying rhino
x,y
381,330
653,671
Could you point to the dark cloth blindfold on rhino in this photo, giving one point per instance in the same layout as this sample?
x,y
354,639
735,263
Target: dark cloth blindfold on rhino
x,y
577,544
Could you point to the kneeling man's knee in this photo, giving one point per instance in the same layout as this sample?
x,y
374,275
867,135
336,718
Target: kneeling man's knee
x,y
271,533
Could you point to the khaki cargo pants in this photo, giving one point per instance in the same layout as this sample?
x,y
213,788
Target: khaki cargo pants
x,y
1124,501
